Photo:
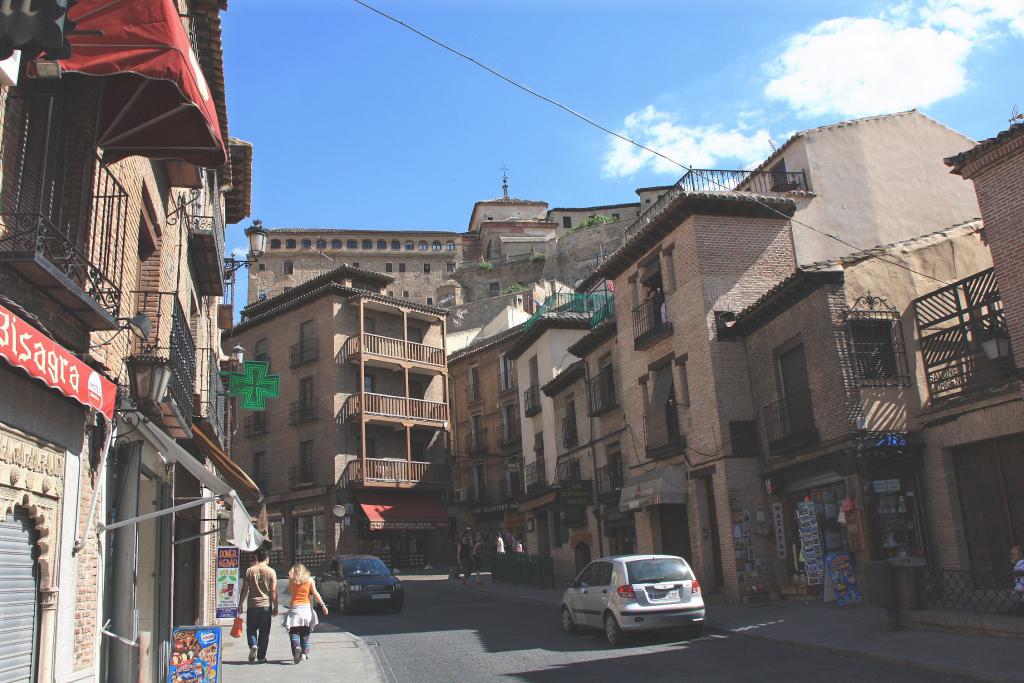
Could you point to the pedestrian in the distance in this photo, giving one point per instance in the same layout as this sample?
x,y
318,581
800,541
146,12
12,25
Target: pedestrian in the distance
x,y
301,618
499,544
478,555
259,596
464,556
1017,559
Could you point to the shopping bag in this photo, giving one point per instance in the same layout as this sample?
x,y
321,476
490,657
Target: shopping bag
x,y
236,628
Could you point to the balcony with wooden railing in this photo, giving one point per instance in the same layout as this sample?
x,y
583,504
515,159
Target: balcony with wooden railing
x,y
390,352
387,408
394,473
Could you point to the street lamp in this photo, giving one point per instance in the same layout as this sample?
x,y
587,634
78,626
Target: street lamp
x,y
149,377
997,344
257,235
237,355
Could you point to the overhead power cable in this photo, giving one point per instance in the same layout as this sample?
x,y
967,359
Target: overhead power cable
x,y
589,121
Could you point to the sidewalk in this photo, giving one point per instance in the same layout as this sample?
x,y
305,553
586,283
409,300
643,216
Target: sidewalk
x,y
336,655
858,631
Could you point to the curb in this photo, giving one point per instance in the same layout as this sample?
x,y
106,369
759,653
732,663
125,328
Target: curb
x,y
870,656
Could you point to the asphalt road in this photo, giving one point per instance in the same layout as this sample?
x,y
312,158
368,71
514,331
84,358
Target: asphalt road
x,y
451,633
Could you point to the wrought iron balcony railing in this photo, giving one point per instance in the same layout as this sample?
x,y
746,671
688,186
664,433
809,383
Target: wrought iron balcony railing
x,y
171,338
476,441
535,476
650,322
600,396
570,437
570,302
722,180
213,396
257,423
64,229
789,423
510,431
302,476
531,400
609,479
303,352
305,410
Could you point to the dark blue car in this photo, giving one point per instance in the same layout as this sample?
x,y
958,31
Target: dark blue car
x,y
355,582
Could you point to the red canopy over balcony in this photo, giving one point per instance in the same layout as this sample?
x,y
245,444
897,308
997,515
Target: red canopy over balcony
x,y
155,101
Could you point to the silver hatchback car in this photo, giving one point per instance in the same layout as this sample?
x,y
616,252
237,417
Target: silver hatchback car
x,y
634,593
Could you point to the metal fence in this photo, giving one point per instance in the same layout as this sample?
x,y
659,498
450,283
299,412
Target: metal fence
x,y
531,570
972,591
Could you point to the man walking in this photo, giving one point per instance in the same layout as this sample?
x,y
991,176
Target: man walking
x,y
260,588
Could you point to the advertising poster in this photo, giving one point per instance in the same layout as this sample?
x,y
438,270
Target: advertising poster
x,y
843,573
195,655
779,522
810,543
228,559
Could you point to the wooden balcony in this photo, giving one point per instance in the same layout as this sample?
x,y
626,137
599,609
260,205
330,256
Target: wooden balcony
x,y
383,408
394,473
388,352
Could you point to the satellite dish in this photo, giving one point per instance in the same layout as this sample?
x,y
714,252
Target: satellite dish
x,y
339,511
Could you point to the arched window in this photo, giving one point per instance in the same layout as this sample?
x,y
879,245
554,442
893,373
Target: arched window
x,y
423,246
367,244
290,244
321,244
275,244
436,246
335,244
449,246
382,244
307,244
396,245
352,244
409,246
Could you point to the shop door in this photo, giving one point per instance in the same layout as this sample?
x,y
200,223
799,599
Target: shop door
x,y
18,599
990,477
675,530
711,578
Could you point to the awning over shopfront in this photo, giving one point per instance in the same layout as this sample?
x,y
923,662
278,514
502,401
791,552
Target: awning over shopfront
x,y
155,100
663,486
410,510
241,532
227,468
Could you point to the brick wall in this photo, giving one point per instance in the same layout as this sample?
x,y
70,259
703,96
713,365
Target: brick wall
x,y
1000,190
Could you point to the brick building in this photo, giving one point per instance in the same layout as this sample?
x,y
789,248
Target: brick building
x,y
996,167
96,227
487,453
362,421
418,261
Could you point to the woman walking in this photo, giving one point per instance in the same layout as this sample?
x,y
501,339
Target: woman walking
x,y
464,556
301,618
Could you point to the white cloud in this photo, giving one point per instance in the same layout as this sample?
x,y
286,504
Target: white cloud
x,y
911,56
239,254
700,146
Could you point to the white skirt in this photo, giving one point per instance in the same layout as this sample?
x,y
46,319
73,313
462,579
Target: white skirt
x,y
300,615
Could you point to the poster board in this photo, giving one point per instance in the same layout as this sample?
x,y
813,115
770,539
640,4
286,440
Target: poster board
x,y
195,655
843,572
228,561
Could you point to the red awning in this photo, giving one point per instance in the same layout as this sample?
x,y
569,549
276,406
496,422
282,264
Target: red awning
x,y
155,100
402,510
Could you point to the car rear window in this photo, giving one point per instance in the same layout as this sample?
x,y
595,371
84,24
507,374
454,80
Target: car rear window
x,y
658,570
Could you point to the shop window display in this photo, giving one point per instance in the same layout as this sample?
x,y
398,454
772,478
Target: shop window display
x,y
814,511
899,528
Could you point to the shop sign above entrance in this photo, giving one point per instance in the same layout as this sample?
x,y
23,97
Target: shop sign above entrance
x,y
25,347
254,385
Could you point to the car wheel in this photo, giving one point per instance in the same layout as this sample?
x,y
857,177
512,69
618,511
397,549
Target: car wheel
x,y
695,631
612,631
567,623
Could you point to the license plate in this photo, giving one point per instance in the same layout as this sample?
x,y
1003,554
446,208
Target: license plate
x,y
380,596
665,595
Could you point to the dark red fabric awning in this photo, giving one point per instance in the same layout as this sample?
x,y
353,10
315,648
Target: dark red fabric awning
x,y
155,102
402,510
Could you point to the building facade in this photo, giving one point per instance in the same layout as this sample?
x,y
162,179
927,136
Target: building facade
x,y
362,423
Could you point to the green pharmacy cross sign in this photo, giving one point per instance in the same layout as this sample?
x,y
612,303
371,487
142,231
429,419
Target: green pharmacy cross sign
x,y
254,385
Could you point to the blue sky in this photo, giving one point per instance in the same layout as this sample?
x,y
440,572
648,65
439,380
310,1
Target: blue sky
x,y
359,123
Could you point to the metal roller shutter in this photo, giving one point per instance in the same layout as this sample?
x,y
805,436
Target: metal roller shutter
x,y
18,599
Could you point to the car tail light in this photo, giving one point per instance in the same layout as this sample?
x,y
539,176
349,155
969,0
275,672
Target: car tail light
x,y
626,592
695,587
